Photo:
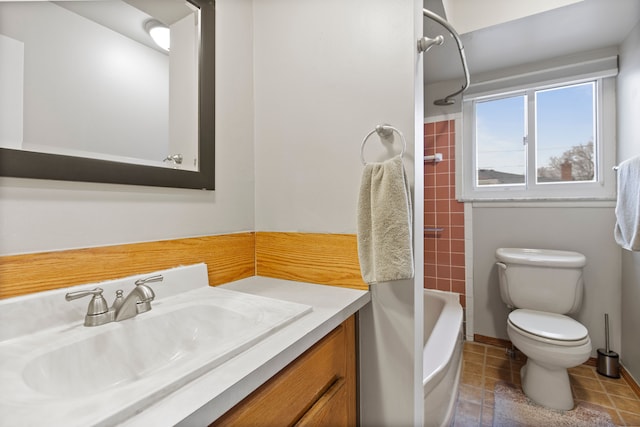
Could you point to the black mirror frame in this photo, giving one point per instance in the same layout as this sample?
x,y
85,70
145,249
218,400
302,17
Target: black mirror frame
x,y
27,164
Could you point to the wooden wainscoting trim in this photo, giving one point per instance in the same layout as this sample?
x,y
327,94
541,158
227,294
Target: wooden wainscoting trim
x,y
228,257
328,259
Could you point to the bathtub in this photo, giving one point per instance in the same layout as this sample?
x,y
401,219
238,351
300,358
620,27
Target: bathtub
x,y
441,356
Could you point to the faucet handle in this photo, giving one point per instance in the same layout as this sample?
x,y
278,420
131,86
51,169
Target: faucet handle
x,y
97,305
157,278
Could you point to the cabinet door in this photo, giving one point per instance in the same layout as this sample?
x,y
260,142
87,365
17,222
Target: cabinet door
x,y
330,409
318,385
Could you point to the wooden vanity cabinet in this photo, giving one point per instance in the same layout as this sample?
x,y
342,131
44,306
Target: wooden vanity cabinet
x,y
316,389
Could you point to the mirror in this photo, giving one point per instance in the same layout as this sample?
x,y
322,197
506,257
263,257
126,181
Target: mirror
x,y
88,96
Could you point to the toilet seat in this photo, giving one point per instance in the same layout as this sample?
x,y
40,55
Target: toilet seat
x,y
549,328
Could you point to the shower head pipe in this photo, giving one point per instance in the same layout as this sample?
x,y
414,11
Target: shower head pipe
x,y
448,100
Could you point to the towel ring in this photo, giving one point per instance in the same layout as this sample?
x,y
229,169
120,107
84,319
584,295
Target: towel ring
x,y
383,131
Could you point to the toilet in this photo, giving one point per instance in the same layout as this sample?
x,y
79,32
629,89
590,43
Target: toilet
x,y
542,286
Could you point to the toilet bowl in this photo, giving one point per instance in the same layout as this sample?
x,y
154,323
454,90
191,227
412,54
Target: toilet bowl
x,y
552,343
541,286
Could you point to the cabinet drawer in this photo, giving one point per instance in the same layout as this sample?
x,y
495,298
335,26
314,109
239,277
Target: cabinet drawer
x,y
330,409
285,398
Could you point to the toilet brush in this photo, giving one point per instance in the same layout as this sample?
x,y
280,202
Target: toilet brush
x,y
608,361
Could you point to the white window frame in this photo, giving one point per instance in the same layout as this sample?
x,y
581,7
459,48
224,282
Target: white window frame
x,y
605,147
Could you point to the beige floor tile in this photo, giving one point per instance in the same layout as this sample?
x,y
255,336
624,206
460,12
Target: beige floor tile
x,y
498,352
615,417
605,379
472,368
469,365
474,347
578,381
628,405
517,364
472,380
484,365
585,371
630,419
498,373
473,357
490,383
470,394
592,396
498,362
619,389
515,374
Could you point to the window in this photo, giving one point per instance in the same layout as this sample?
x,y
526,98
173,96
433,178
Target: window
x,y
539,143
501,141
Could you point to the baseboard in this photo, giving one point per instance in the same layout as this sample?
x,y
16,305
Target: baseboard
x,y
496,342
630,380
592,362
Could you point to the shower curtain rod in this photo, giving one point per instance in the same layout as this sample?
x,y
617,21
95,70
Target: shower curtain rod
x,y
435,17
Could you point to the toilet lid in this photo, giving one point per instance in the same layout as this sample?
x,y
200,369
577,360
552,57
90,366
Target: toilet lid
x,y
548,325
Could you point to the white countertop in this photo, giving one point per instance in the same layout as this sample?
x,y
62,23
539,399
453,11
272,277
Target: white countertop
x,y
205,399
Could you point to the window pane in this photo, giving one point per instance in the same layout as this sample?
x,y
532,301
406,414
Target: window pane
x,y
565,131
500,151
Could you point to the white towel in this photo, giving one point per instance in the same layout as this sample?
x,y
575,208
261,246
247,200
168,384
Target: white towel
x,y
385,244
627,231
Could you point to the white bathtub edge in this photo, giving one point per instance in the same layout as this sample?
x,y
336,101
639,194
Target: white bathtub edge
x,y
442,360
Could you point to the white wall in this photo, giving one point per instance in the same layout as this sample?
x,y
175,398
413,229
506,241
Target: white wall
x,y
40,215
565,226
629,146
326,73
11,84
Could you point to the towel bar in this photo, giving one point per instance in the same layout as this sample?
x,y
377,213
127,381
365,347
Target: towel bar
x,y
433,229
384,131
435,158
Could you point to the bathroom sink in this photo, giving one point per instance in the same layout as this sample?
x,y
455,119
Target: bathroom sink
x,y
114,370
141,348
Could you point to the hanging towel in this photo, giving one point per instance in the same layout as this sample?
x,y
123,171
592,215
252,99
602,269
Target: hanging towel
x,y
385,244
627,231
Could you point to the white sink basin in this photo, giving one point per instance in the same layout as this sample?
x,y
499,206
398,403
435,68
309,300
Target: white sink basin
x,y
141,348
77,375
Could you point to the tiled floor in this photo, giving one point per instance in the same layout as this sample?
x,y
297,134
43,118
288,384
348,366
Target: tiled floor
x,y
483,365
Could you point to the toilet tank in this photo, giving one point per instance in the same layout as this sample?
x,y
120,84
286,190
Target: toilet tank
x,y
541,279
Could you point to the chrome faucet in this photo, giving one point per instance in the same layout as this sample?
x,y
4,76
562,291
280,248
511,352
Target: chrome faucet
x,y
138,301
